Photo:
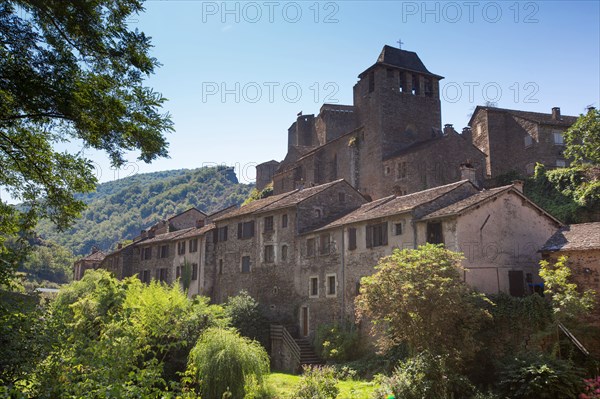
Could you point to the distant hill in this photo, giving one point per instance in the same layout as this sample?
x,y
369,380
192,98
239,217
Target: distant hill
x,y
118,210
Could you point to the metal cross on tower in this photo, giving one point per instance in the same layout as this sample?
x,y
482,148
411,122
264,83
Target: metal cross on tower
x,y
400,43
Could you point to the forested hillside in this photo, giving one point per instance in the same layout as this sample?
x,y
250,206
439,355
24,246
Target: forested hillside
x,y
119,209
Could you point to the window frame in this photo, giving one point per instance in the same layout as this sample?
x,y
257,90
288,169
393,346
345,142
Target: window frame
x,y
245,230
268,224
193,245
376,235
313,287
352,242
269,253
328,287
249,264
311,247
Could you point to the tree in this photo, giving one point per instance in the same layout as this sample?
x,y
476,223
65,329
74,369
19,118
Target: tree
x,y
582,140
223,361
70,71
417,297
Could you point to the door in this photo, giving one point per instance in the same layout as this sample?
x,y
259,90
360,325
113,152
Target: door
x,y
515,283
304,320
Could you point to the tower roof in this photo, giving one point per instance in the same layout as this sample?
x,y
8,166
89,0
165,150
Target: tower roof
x,y
408,60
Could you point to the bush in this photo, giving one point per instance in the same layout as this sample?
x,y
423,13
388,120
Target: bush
x,y
337,342
246,316
223,361
317,382
592,389
540,377
426,376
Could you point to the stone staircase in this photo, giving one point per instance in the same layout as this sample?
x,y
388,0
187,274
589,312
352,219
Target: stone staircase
x,y
307,353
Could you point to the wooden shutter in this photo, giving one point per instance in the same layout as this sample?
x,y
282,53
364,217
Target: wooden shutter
x,y
351,238
384,233
240,230
369,236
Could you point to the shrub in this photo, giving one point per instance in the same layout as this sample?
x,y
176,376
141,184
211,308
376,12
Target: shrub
x,y
337,342
317,382
539,376
222,361
426,376
246,316
592,389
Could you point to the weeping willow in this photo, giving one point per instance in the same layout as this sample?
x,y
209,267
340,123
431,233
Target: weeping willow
x,y
223,361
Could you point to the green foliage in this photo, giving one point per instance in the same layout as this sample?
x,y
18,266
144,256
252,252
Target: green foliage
x,y
119,338
119,209
567,302
255,194
22,343
317,382
337,342
246,316
426,376
223,361
50,262
582,140
71,71
186,275
540,377
417,297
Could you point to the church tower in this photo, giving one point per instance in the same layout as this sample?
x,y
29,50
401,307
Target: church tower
x,y
398,99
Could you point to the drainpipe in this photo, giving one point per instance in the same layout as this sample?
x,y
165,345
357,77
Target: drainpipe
x,y
343,277
414,226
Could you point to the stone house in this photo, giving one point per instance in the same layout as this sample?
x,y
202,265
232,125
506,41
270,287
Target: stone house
x,y
502,257
515,140
190,252
394,125
580,243
91,261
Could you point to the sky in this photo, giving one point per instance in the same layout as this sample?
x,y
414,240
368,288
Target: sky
x,y
237,73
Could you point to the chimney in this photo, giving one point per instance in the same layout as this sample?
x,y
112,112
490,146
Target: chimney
x,y
151,232
591,108
556,113
144,234
199,223
518,185
448,128
94,249
119,245
467,172
467,133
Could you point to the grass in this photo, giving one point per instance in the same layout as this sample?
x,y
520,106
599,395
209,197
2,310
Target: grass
x,y
284,384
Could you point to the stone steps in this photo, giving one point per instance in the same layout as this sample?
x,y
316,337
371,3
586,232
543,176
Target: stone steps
x,y
307,353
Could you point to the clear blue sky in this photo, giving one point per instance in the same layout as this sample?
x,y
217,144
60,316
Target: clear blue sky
x,y
539,54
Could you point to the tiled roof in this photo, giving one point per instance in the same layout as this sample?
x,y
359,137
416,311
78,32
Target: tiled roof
x,y
574,237
466,203
402,59
96,256
298,196
197,231
538,117
164,237
253,206
394,205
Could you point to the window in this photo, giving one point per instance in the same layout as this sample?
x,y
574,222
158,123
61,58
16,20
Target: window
x,y
222,234
558,138
194,271
284,250
145,276
269,254
528,141
245,264
341,198
377,235
401,170
310,247
398,229
268,223
245,230
284,220
313,289
193,245
317,213
434,233
371,81
161,274
324,244
181,248
351,238
331,285
220,266
561,163
164,251
147,253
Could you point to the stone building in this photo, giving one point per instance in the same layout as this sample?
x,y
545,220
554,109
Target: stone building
x,y
515,140
580,243
389,141
91,261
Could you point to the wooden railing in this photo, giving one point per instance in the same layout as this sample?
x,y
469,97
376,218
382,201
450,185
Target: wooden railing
x,y
280,332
